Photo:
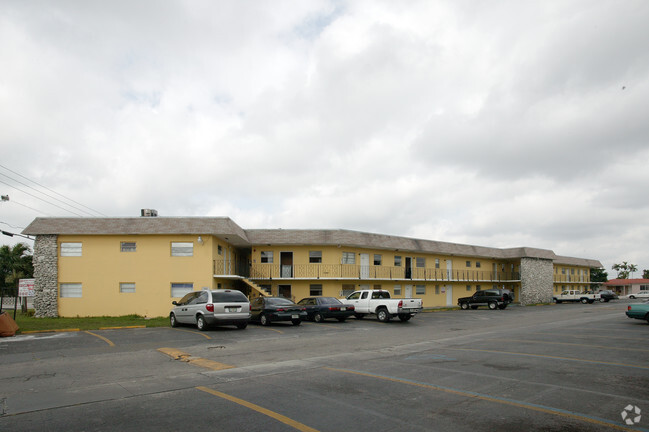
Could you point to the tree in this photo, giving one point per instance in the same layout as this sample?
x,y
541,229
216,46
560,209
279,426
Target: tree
x,y
15,263
624,269
598,275
645,274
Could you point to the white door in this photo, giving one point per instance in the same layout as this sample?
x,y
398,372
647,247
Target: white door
x,y
365,266
449,269
408,291
449,296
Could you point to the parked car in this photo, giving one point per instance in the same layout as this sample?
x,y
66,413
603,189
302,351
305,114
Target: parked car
x,y
492,298
211,307
638,311
321,308
385,308
640,295
271,309
607,295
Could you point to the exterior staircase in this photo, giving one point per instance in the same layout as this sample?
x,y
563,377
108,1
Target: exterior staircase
x,y
256,290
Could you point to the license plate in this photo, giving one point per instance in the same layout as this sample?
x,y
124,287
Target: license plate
x,y
295,316
343,309
231,309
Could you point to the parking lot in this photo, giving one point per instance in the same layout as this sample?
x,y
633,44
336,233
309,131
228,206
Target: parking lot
x,y
568,367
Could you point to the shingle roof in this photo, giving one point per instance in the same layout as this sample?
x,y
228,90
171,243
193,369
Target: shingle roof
x,y
228,230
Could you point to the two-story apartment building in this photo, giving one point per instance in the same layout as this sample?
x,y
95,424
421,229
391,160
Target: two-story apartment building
x,y
119,266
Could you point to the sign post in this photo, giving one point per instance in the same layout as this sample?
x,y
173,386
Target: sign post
x,y
25,289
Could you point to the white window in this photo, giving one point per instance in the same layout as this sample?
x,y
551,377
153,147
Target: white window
x,y
397,290
468,287
182,249
315,257
315,289
468,264
70,290
436,262
128,247
127,287
420,289
181,289
397,261
349,258
71,249
267,257
420,262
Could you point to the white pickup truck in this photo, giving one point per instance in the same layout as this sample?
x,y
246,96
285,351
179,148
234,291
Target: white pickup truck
x,y
576,296
378,302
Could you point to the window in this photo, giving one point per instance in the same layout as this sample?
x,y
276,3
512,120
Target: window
x,y
267,257
420,289
397,290
348,289
397,261
377,259
70,290
478,287
128,247
468,287
183,249
179,289
477,264
468,264
220,249
572,271
420,262
436,262
316,258
377,287
71,249
644,287
436,289
127,287
563,271
349,258
315,289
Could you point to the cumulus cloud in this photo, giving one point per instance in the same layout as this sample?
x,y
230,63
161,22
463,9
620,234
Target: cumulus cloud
x,y
497,123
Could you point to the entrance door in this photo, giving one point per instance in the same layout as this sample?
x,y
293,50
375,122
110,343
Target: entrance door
x,y
284,291
449,295
286,262
408,268
365,266
408,291
449,269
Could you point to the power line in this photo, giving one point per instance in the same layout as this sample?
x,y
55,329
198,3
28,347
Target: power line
x,y
51,190
39,198
31,208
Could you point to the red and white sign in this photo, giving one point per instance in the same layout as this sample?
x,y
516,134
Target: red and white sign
x,y
26,288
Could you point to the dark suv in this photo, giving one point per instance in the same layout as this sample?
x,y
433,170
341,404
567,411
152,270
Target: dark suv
x,y
492,298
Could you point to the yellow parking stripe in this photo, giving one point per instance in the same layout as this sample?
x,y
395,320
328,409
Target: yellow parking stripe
x,y
101,337
122,327
177,354
529,406
194,332
290,422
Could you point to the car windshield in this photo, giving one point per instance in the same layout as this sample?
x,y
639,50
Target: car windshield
x,y
278,301
228,296
329,300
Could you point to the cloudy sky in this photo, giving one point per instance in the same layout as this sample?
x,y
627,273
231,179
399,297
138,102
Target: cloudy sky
x,y
494,123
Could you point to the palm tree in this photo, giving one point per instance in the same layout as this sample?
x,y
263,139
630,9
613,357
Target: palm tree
x,y
633,268
15,264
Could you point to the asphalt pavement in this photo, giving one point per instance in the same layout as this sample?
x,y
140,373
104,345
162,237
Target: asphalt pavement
x,y
568,367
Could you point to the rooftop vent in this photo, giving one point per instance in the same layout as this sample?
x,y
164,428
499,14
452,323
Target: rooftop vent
x,y
148,213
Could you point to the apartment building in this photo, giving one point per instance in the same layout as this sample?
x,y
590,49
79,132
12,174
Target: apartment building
x,y
120,266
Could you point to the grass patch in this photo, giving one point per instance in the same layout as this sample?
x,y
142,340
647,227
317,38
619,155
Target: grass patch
x,y
28,322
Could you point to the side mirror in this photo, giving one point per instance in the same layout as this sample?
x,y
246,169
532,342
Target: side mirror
x,y
175,303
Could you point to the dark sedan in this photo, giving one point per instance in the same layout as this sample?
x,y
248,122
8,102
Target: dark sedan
x,y
607,295
321,308
270,309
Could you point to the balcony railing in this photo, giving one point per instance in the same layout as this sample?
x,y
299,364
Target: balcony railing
x,y
352,271
561,278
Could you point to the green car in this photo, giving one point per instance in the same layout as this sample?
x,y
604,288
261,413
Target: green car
x,y
638,311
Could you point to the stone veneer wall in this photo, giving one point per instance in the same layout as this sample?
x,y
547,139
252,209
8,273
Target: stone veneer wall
x,y
536,281
46,276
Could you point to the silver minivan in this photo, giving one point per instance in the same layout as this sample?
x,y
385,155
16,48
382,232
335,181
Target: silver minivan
x,y
211,307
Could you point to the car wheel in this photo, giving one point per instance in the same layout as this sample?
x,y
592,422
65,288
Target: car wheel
x,y
173,321
632,297
474,307
584,301
317,317
493,305
405,317
359,316
383,315
602,300
263,320
296,322
464,306
558,301
502,306
342,319
200,323
242,326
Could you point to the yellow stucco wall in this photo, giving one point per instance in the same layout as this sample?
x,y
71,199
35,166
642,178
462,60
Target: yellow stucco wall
x,y
102,267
